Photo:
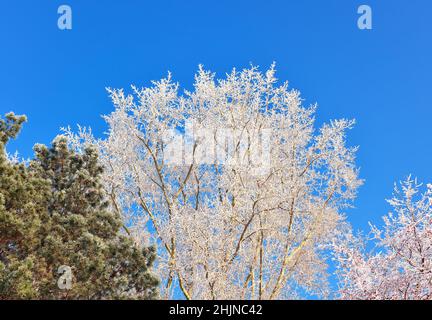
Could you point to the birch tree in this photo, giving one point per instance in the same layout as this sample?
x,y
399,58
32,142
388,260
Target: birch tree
x,y
400,267
231,180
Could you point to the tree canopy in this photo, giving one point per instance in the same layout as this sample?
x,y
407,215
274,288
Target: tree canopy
x,y
53,214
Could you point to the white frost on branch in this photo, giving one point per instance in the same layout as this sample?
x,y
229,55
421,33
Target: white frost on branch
x,y
223,232
401,266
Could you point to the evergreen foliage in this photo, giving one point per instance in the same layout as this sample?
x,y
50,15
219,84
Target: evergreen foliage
x,y
53,213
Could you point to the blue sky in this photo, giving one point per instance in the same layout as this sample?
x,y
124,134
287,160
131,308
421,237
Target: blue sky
x,y
380,77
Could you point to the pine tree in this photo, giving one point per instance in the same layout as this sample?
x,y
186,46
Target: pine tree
x,y
54,213
22,205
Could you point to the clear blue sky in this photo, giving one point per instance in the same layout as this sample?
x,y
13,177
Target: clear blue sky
x,y
381,77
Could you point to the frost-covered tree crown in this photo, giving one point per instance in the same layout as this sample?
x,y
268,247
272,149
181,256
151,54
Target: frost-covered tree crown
x,y
400,267
232,181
